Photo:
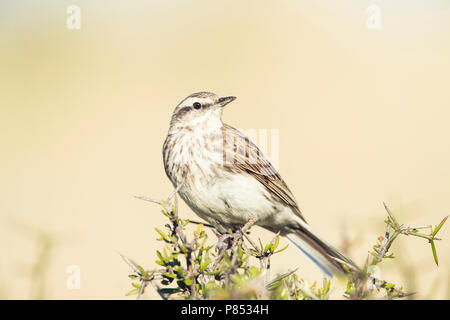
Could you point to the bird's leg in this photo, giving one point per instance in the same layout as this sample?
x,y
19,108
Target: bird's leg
x,y
248,225
230,240
239,234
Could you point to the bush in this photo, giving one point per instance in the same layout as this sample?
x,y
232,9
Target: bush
x,y
193,269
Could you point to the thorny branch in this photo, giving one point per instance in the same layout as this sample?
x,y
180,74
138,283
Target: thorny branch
x,y
359,288
205,275
230,254
398,229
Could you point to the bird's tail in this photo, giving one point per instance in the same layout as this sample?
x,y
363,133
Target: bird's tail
x,y
324,255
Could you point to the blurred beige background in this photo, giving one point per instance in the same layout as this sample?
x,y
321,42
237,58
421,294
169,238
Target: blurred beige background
x,y
363,117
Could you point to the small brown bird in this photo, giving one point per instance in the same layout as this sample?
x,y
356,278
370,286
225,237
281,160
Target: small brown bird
x,y
226,180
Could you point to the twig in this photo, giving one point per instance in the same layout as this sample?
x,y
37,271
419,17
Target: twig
x,y
160,202
411,228
204,224
174,192
251,242
385,242
265,259
132,264
391,222
158,289
382,284
141,289
280,277
394,221
236,237
148,199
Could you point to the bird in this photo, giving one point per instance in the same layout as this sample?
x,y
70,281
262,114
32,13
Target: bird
x,y
227,181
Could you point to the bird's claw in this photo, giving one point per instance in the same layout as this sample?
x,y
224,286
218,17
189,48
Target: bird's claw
x,y
229,240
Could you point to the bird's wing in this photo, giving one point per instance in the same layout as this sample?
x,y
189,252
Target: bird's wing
x,y
241,154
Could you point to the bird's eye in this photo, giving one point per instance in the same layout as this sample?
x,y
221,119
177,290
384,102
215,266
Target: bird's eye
x,y
197,105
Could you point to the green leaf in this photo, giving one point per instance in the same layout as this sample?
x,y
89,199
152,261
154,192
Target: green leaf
x,y
254,271
198,231
277,242
163,235
136,285
179,270
169,275
134,291
282,249
389,285
160,263
421,235
327,286
204,264
159,255
142,270
436,230
188,282
433,249
170,290
236,279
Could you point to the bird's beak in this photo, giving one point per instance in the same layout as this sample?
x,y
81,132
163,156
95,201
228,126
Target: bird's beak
x,y
224,101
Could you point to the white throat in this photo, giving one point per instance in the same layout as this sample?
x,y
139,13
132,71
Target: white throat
x,y
207,123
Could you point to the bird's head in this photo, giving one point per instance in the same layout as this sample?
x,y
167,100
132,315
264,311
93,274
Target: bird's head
x,y
200,109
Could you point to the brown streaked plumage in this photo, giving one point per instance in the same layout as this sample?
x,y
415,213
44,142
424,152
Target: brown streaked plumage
x,y
227,181
249,159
